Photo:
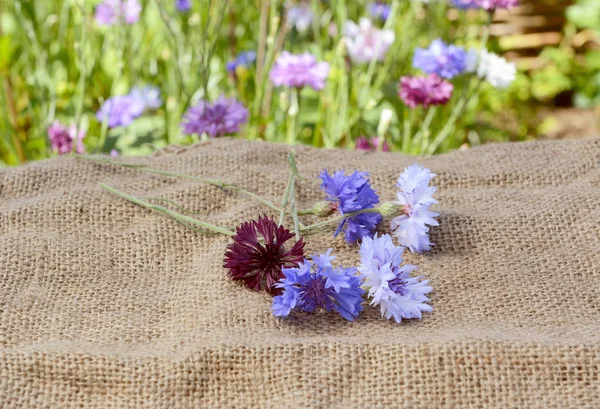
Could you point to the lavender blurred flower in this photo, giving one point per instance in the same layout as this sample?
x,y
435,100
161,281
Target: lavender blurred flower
x,y
390,285
416,197
244,59
447,61
62,138
364,143
120,110
485,4
111,12
114,153
317,285
351,194
300,17
425,91
366,42
149,96
379,10
223,117
183,5
299,70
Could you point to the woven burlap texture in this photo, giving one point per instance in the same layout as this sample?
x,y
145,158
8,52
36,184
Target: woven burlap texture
x,y
108,305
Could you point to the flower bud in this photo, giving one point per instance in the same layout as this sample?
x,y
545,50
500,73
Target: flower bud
x,y
389,208
324,209
384,122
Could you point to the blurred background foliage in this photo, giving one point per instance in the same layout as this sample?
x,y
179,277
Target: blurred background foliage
x,y
56,63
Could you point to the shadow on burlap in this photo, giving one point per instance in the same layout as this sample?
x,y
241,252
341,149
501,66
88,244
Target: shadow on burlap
x,y
108,305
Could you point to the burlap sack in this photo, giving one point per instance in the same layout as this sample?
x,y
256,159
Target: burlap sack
x,y
108,305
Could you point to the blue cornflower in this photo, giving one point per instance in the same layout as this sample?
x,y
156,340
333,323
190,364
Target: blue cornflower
x,y
416,197
389,283
447,61
380,10
317,285
351,194
183,5
244,59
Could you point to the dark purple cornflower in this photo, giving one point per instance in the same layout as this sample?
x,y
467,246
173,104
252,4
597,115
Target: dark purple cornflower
x,y
222,117
442,59
425,91
316,285
258,254
183,5
351,194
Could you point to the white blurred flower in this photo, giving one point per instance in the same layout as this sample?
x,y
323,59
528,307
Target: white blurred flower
x,y
300,17
366,42
495,69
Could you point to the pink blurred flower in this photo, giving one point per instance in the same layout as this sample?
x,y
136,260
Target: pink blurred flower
x,y
62,138
425,91
110,12
299,70
364,143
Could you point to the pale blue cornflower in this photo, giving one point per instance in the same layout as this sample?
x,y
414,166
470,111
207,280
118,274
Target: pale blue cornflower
x,y
415,197
389,284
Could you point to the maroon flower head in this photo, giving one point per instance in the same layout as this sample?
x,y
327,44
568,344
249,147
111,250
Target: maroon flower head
x,y
258,254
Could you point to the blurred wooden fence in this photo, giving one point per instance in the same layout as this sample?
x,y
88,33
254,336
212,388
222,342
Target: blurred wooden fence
x,y
524,31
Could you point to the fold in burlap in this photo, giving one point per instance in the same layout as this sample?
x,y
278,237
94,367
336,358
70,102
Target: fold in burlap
x,y
108,305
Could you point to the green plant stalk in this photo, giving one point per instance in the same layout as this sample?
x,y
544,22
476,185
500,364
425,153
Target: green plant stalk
x,y
82,68
286,195
458,110
423,133
160,209
292,118
214,182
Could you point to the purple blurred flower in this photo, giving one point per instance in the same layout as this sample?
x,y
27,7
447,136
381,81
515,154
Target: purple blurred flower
x,y
183,5
366,42
111,12
317,285
299,70
485,4
444,60
114,153
350,194
416,197
149,96
222,117
379,10
120,110
243,59
364,143
426,91
62,138
390,285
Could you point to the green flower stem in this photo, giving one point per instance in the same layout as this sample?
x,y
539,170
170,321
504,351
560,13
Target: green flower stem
x,y
160,209
286,196
423,133
292,118
458,110
214,182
